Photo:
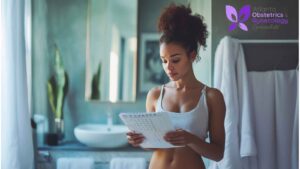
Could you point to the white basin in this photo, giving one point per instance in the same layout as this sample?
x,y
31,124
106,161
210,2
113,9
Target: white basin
x,y
97,135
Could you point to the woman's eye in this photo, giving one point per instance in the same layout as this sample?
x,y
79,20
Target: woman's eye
x,y
175,61
163,61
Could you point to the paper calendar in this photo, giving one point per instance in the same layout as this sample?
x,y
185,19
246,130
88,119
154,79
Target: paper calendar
x,y
152,125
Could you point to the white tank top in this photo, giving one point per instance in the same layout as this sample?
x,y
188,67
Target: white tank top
x,y
194,121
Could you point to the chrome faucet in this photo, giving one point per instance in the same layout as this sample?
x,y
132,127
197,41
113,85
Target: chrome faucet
x,y
109,120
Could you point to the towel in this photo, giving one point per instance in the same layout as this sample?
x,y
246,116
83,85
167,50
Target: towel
x,y
230,77
128,163
75,163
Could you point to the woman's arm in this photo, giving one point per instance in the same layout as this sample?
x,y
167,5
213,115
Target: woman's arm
x,y
216,108
151,99
215,149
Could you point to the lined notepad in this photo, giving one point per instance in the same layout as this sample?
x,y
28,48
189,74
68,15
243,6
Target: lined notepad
x,y
153,126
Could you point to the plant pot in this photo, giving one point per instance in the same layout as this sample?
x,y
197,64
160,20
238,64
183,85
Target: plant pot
x,y
57,134
59,128
51,139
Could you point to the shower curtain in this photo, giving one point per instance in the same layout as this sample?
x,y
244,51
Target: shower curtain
x,y
16,132
261,112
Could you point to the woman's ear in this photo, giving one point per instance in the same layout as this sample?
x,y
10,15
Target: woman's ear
x,y
193,55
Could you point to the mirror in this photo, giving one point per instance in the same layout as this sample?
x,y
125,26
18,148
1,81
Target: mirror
x,y
111,50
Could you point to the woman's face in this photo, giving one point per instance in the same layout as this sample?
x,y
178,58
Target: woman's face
x,y
175,60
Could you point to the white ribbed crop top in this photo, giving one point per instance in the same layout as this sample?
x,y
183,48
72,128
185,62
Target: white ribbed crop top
x,y
194,121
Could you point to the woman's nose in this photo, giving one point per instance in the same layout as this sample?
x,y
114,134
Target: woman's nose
x,y
170,66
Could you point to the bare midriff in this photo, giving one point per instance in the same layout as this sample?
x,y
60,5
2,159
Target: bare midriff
x,y
176,158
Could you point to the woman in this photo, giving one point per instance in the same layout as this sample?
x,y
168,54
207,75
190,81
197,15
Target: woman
x,y
194,108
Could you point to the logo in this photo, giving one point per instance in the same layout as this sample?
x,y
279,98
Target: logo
x,y
238,19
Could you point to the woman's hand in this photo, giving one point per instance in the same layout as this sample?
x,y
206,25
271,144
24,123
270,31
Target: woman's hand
x,y
135,139
179,137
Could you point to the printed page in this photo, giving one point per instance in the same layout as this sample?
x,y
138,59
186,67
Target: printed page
x,y
153,126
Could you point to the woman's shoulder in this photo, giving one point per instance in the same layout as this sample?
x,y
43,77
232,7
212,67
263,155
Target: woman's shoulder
x,y
154,93
215,98
216,104
213,93
152,98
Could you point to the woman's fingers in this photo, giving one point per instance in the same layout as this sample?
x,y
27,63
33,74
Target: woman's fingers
x,y
176,133
136,142
177,141
174,138
135,139
177,137
173,135
135,136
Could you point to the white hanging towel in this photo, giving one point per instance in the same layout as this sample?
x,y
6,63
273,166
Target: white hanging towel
x,y
274,111
128,163
262,88
230,77
285,103
75,163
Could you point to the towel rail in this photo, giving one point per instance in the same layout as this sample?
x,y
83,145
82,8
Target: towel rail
x,y
268,40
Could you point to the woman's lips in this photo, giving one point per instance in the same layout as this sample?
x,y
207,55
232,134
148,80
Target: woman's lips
x,y
172,74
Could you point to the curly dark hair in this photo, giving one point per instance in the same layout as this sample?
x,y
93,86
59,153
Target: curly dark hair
x,y
178,25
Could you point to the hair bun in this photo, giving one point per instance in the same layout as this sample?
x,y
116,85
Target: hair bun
x,y
174,19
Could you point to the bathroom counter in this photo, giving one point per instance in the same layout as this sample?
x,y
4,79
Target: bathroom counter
x,y
76,146
49,154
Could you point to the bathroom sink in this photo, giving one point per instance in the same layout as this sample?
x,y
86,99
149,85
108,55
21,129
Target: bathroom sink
x,y
102,136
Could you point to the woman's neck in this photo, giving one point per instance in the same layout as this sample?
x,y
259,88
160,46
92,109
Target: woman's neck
x,y
187,82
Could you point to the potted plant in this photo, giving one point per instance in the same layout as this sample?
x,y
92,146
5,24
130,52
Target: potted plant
x,y
57,87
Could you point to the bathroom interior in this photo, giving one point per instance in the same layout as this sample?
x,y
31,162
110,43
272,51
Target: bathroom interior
x,y
100,50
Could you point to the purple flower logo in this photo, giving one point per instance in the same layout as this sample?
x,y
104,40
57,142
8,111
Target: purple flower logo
x,y
238,19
